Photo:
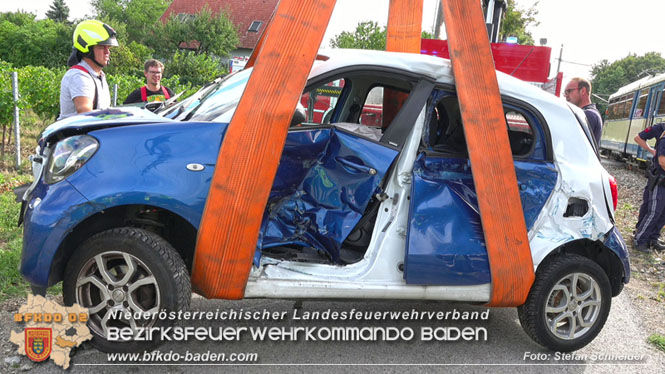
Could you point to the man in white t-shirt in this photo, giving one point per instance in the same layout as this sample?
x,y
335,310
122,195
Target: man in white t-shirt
x,y
83,87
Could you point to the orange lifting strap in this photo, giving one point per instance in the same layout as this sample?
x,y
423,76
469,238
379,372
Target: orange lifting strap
x,y
489,150
250,153
405,18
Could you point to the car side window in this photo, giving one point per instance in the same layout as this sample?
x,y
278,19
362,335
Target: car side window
x,y
372,112
360,102
520,133
319,103
444,131
375,113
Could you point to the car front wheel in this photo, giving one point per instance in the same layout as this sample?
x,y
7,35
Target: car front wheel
x,y
568,303
125,277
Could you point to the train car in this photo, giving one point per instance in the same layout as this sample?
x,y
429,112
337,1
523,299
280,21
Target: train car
x,y
631,109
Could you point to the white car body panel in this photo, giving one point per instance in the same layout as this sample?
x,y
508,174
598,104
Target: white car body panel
x,y
378,274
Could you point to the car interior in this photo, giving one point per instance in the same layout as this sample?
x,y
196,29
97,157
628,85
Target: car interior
x,y
352,104
444,133
343,104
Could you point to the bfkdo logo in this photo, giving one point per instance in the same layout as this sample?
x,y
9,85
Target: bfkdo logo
x,y
38,343
50,330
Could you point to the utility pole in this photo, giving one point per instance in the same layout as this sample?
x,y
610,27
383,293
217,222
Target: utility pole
x,y
438,21
17,129
558,67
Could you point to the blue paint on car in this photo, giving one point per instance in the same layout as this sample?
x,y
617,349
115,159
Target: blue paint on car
x,y
445,243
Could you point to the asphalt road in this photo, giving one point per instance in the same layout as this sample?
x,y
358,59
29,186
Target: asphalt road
x,y
504,350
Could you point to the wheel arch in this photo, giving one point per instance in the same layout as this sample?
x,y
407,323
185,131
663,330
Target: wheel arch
x,y
170,226
596,252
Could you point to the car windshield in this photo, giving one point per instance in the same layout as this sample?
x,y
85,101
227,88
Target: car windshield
x,y
212,101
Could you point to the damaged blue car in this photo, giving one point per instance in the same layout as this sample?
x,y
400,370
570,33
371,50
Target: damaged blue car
x,y
370,201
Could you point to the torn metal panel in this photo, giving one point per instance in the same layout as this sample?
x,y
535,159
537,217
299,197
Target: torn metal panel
x,y
332,196
385,253
582,177
301,151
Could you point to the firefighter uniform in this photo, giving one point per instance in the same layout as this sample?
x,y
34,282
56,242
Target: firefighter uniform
x,y
651,218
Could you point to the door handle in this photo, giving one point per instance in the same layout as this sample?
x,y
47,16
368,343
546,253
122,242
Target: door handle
x,y
355,166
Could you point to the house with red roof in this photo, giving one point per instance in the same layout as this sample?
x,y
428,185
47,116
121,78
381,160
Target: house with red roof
x,y
250,17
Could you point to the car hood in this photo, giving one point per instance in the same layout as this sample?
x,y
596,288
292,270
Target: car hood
x,y
112,117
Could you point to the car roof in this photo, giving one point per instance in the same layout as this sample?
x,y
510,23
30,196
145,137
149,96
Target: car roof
x,y
437,68
429,66
554,109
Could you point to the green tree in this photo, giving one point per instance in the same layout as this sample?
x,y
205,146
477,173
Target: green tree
x,y
58,11
139,16
607,78
193,68
40,43
6,98
516,20
43,98
204,32
368,35
128,59
19,18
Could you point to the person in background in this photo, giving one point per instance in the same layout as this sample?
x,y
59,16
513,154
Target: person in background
x,y
153,90
83,87
651,218
578,92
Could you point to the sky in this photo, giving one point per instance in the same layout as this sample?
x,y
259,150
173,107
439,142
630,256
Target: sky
x,y
590,30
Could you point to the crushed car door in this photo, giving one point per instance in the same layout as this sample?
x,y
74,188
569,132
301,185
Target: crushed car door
x,y
317,201
329,173
445,243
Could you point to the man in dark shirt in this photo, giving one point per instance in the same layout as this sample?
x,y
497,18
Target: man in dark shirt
x,y
153,90
651,218
578,92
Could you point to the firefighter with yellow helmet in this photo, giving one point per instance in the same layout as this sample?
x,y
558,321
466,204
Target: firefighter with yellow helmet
x,y
83,87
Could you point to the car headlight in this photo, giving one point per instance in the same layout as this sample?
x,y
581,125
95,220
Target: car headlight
x,y
68,156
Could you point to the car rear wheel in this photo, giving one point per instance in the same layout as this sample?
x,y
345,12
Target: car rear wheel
x,y
568,303
125,277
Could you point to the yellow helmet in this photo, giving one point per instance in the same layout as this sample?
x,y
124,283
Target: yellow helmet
x,y
93,32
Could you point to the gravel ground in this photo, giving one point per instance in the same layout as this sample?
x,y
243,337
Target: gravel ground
x,y
647,285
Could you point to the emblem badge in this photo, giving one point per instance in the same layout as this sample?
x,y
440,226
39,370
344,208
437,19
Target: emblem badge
x,y
38,343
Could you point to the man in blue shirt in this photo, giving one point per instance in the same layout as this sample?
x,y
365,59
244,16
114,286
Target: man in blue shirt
x,y
578,92
651,218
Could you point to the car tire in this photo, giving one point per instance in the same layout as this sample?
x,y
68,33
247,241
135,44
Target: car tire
x,y
568,303
126,269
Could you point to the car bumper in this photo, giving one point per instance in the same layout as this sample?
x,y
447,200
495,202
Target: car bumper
x,y
51,212
614,241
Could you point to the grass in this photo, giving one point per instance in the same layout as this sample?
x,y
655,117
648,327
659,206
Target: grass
x,y
658,341
11,236
11,239
626,207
